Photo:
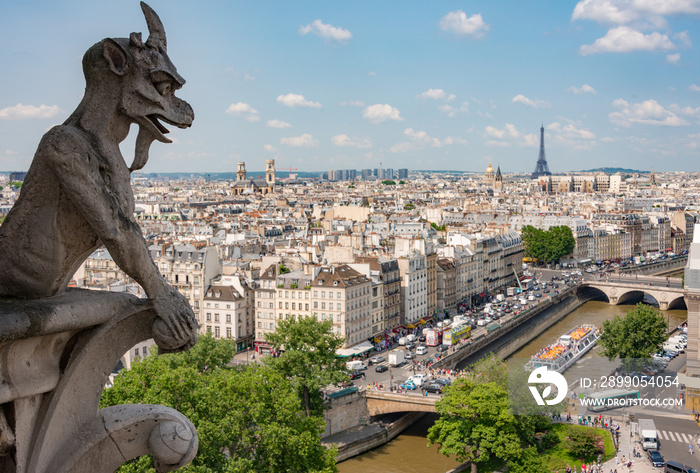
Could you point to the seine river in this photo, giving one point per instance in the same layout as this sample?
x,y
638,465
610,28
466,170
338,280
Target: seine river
x,y
409,453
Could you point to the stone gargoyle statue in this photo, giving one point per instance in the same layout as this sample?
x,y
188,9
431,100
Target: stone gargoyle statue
x,y
58,346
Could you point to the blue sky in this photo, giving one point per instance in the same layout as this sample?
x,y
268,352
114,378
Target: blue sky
x,y
422,85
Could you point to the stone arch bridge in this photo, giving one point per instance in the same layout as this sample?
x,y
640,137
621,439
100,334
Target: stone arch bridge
x,y
381,402
620,291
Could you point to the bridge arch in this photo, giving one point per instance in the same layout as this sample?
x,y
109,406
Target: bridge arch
x,y
634,296
590,293
677,303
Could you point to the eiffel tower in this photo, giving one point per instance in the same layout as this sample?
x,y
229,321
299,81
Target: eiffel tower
x,y
541,169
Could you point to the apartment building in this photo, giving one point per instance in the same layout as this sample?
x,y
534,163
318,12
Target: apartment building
x,y
188,269
343,295
414,288
228,310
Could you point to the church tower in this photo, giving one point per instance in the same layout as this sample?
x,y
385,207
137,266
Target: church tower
x,y
270,174
498,180
240,174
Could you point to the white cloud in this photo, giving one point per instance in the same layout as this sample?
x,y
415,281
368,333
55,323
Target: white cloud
x,y
673,58
29,112
379,113
649,112
584,89
296,100
352,103
683,38
269,148
508,136
694,88
345,140
451,111
244,110
436,94
403,147
604,11
278,124
531,103
571,135
460,24
305,140
624,39
326,31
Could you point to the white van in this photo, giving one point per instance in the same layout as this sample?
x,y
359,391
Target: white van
x,y
356,365
411,337
402,341
421,350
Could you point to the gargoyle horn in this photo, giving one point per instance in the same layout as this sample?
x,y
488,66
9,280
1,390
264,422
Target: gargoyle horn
x,y
156,32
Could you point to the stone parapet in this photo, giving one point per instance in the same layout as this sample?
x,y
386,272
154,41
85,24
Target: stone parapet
x,y
56,355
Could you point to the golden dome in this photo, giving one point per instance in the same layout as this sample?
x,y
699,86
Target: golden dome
x,y
489,169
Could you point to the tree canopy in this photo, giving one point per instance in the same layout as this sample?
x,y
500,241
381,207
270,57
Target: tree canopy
x,y
547,245
248,419
635,336
308,357
476,425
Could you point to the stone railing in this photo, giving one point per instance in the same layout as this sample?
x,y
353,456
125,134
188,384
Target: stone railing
x,y
56,355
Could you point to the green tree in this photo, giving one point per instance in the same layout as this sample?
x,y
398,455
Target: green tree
x,y
530,461
402,182
584,443
635,336
247,419
284,269
475,424
389,183
547,246
439,228
308,359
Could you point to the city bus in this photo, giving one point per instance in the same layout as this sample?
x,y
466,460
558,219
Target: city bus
x,y
611,399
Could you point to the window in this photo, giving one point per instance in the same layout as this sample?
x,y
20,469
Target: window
x,y
216,317
323,305
315,293
208,328
136,351
293,294
330,294
280,304
294,305
306,295
272,325
259,324
315,304
228,318
286,294
208,316
338,294
228,332
339,307
217,332
306,306
272,305
228,306
338,318
286,305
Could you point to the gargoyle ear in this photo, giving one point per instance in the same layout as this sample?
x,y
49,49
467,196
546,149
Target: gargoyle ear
x,y
115,55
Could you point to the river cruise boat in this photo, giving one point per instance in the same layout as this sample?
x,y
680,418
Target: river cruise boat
x,y
571,346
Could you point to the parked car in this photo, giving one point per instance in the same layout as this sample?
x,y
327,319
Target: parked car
x,y
375,360
408,385
443,381
409,355
442,348
433,387
381,368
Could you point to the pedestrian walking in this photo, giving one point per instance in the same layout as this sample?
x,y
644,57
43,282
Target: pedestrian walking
x,y
690,448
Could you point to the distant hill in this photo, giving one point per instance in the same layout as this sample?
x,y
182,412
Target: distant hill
x,y
614,170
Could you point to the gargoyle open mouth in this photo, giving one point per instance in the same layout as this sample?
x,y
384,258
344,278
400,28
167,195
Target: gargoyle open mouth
x,y
156,119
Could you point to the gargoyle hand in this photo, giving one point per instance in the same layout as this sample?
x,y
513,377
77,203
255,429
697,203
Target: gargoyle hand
x,y
175,328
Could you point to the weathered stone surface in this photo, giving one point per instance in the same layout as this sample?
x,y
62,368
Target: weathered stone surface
x,y
77,193
57,346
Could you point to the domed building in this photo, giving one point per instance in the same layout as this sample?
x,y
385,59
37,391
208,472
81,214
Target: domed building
x,y
490,174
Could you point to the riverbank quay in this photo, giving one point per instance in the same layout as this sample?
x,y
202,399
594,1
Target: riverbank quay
x,y
505,339
362,438
348,423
